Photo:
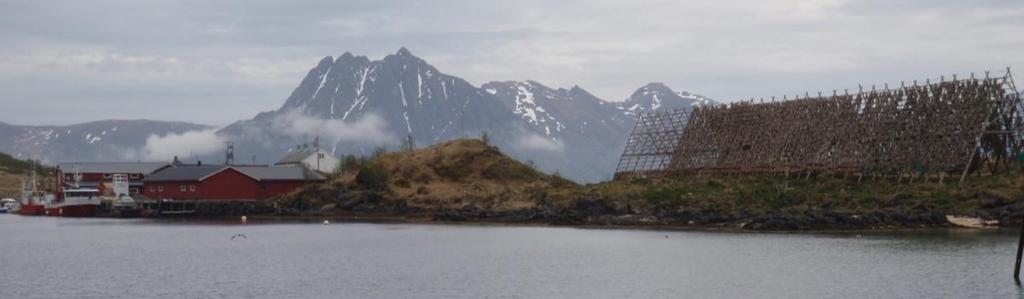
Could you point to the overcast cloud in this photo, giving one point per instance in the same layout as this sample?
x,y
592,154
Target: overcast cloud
x,y
64,62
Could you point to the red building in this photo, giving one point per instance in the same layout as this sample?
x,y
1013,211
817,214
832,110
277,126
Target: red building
x,y
223,182
99,175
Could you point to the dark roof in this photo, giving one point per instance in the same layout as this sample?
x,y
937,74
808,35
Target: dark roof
x,y
297,155
112,167
260,173
184,173
278,173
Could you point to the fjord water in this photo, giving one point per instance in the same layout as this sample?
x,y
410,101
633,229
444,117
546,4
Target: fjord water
x,y
43,257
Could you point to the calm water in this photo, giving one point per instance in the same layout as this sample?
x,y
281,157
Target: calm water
x,y
44,257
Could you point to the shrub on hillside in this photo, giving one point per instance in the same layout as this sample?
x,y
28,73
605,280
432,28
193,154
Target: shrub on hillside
x,y
373,176
350,163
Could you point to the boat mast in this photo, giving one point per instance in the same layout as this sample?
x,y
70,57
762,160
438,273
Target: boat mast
x,y
34,190
78,177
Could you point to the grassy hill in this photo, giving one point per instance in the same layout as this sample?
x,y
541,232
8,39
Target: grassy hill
x,y
13,165
10,185
469,180
456,175
467,172
11,172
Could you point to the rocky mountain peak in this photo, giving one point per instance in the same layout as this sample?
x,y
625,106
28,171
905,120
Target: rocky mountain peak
x,y
658,96
578,92
655,87
403,52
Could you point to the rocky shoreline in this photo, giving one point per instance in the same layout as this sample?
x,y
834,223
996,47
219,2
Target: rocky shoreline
x,y
597,213
374,207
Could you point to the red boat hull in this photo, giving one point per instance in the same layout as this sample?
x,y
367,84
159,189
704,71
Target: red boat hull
x,y
32,210
72,211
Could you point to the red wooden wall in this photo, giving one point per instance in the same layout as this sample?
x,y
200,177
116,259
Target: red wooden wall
x,y
229,184
225,185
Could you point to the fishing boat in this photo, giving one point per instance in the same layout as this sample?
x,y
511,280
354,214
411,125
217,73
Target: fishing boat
x,y
74,201
31,198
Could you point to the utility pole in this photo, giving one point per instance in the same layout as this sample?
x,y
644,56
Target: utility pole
x,y
316,144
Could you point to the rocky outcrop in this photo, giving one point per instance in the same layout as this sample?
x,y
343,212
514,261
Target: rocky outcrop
x,y
602,213
1007,212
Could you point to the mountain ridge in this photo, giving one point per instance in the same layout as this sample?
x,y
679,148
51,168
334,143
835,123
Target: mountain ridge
x,y
87,141
353,104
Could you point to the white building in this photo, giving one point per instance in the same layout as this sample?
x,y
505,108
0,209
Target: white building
x,y
316,160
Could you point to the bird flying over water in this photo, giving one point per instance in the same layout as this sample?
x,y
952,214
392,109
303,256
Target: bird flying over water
x,y
239,235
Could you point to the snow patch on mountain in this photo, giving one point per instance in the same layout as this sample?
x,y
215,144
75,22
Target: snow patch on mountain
x,y
531,101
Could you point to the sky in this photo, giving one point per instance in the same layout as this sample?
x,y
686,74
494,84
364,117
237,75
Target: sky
x,y
215,62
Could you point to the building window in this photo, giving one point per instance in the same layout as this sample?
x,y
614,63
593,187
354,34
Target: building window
x,y
182,188
160,188
192,188
135,176
150,188
106,175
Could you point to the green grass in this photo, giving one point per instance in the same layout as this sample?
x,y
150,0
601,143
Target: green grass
x,y
775,194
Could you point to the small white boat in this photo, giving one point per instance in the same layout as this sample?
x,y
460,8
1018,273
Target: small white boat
x,y
9,205
124,201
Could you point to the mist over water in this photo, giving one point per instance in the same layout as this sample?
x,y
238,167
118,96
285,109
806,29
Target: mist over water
x,y
42,257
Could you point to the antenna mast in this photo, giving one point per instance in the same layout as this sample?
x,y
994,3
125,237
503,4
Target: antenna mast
x,y
229,153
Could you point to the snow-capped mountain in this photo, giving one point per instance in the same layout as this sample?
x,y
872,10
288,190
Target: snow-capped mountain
x,y
568,130
354,104
403,88
591,131
106,140
559,112
657,96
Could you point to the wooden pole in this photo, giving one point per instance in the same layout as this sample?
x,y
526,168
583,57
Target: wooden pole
x,y
1020,249
968,166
